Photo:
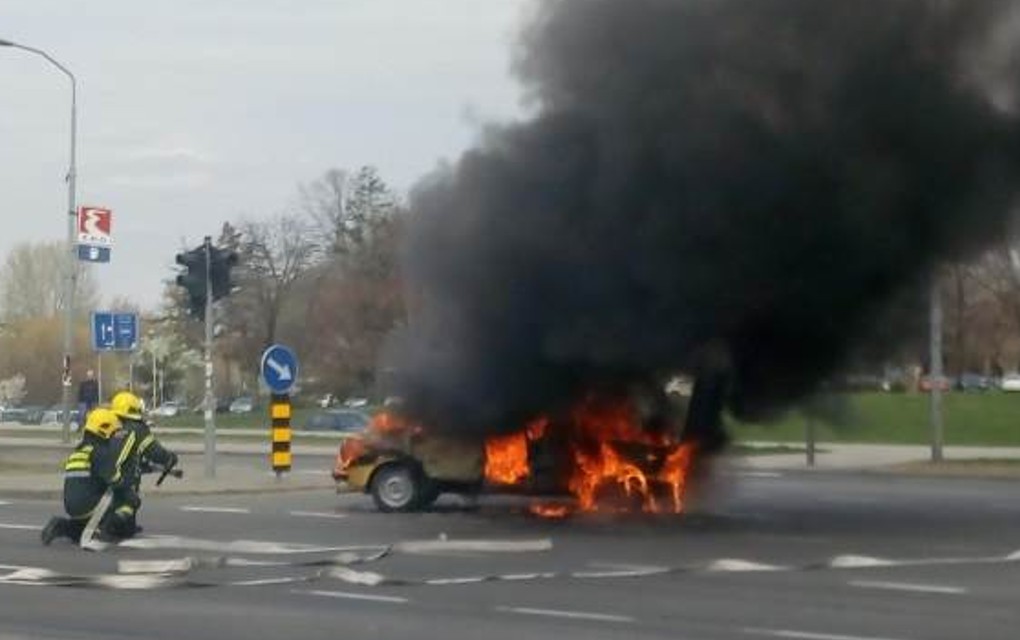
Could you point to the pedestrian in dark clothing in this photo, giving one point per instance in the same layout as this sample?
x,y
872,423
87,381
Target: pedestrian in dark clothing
x,y
88,395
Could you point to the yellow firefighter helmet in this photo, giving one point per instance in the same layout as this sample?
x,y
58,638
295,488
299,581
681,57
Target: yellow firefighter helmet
x,y
127,405
102,422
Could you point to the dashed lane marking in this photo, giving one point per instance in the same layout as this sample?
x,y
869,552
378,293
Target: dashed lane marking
x,y
573,615
346,595
807,635
317,514
905,586
4,503
736,565
485,546
20,527
194,509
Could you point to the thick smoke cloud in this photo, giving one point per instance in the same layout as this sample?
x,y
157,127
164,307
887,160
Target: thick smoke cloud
x,y
757,178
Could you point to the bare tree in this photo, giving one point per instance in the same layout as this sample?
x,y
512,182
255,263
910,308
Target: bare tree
x,y
994,306
346,208
32,282
274,256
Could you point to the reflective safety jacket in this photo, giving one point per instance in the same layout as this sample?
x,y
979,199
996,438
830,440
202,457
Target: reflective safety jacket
x,y
146,449
95,465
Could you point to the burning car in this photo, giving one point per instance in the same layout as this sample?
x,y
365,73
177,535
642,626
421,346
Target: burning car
x,y
602,453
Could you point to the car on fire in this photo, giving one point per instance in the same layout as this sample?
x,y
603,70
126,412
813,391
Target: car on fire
x,y
406,468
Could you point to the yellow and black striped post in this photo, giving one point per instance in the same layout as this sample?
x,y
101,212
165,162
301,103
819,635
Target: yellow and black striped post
x,y
279,413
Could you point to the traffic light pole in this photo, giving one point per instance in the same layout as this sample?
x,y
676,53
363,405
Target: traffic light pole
x,y
210,401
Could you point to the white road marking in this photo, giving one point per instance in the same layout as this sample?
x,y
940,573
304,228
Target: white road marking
x,y
180,565
859,562
353,596
574,615
367,578
619,570
236,546
22,527
268,581
3,502
491,546
512,577
619,573
904,586
215,509
759,474
807,635
317,514
446,581
737,565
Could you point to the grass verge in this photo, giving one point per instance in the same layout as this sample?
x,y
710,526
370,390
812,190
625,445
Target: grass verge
x,y
988,419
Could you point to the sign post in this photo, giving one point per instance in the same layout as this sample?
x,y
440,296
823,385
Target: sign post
x,y
94,237
279,371
112,331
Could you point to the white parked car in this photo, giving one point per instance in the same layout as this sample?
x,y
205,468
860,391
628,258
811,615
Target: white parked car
x,y
1010,382
166,410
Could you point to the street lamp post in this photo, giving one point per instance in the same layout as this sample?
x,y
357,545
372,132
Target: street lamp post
x,y
70,275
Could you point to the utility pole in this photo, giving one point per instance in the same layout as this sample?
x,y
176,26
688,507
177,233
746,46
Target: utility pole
x,y
935,370
70,276
210,400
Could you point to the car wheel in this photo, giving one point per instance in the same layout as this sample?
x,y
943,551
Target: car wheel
x,y
396,487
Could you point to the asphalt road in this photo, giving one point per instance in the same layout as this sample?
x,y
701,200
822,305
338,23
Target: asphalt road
x,y
792,555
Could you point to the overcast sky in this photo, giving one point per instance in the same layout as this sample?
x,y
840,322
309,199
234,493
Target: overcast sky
x,y
192,112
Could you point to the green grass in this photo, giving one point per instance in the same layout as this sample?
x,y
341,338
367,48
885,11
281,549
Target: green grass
x,y
991,419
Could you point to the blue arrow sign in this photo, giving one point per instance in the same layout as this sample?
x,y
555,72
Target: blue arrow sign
x,y
279,368
114,331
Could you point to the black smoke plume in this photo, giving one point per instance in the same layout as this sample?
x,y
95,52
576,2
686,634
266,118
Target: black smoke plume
x,y
740,181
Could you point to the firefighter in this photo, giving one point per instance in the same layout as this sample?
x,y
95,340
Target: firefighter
x,y
148,451
99,463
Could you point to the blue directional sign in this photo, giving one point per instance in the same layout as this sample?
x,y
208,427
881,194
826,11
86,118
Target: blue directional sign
x,y
114,331
279,368
91,253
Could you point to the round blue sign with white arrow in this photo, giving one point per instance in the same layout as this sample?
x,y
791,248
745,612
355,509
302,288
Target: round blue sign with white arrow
x,y
279,368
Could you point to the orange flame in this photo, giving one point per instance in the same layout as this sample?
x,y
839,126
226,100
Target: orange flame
x,y
553,511
654,470
506,457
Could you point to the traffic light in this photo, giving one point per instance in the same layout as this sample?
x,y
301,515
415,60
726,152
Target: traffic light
x,y
206,267
193,280
221,261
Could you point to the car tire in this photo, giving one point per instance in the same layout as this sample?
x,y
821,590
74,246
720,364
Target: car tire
x,y
396,487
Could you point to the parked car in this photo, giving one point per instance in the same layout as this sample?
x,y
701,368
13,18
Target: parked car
x,y
974,382
1010,382
22,415
944,383
243,404
346,420
54,415
167,410
356,402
